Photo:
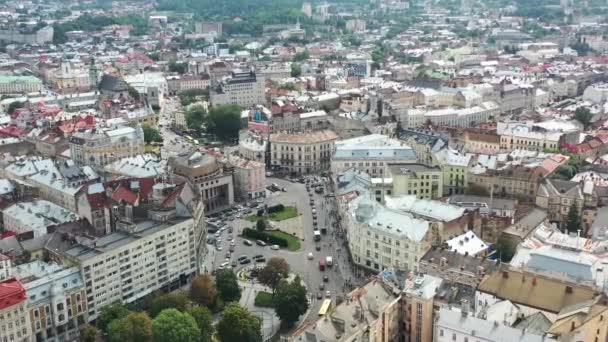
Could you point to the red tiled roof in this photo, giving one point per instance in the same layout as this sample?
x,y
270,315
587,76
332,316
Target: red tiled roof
x,y
122,193
11,293
168,202
97,200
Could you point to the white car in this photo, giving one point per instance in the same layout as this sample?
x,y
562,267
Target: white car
x,y
310,256
224,265
218,248
275,247
232,243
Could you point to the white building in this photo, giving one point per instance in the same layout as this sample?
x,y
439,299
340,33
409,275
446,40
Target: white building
x,y
142,165
152,86
36,217
253,149
370,153
244,89
302,152
20,84
102,146
596,93
455,117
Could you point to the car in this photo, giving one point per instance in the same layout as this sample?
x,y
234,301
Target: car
x,y
223,265
234,263
327,294
230,238
218,248
247,243
245,261
321,286
318,248
310,256
230,230
262,259
260,243
275,247
242,257
319,295
231,248
325,278
258,256
218,234
228,255
232,243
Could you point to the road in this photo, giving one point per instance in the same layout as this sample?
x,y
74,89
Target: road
x,y
308,270
172,143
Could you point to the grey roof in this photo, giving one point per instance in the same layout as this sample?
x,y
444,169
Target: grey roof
x,y
497,203
537,323
573,269
482,329
599,228
560,188
113,83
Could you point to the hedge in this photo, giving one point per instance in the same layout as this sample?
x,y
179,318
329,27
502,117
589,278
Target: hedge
x,y
263,236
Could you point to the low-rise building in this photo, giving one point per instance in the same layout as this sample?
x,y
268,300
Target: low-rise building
x,y
98,148
557,197
524,136
36,217
15,323
513,180
456,267
302,152
143,165
253,149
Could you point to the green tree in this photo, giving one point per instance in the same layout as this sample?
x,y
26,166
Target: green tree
x,y
505,248
172,325
174,300
136,327
296,70
203,291
301,56
178,67
573,220
584,116
89,334
151,134
204,321
225,122
110,313
276,269
260,225
14,105
290,301
238,324
133,93
195,116
228,286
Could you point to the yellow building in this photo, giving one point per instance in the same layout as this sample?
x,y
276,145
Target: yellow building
x,y
417,179
582,323
454,167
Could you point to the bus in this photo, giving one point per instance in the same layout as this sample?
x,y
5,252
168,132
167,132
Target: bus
x,y
325,307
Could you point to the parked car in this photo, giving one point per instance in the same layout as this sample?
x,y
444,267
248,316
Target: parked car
x,y
310,256
223,265
262,259
245,261
275,247
325,278
261,243
318,247
242,257
258,256
321,286
248,243
327,294
319,295
234,263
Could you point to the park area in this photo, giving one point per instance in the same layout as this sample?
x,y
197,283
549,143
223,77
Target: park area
x,y
284,213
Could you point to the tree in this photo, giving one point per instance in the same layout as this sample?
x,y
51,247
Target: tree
x,y
133,93
194,117
301,56
238,324
14,105
136,327
178,67
225,122
204,321
505,248
276,269
573,220
228,286
172,325
260,225
296,70
203,291
89,334
583,115
290,301
151,134
110,313
176,300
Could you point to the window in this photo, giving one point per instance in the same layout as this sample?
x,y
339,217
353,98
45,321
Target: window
x,y
453,337
441,332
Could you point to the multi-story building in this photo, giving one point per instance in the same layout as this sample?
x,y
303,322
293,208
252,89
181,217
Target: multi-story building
x,y
249,178
456,117
244,89
214,183
39,37
583,322
515,180
14,317
371,154
57,300
160,252
557,197
481,141
5,267
302,152
36,217
456,267
416,179
98,148
418,307
152,86
253,149
524,136
20,84
455,167
72,79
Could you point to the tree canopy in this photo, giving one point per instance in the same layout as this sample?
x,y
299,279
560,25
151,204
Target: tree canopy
x,y
151,134
203,291
204,320
584,116
290,301
89,23
89,334
275,270
135,327
573,220
173,300
225,122
195,116
228,286
172,325
110,313
178,67
238,324
296,70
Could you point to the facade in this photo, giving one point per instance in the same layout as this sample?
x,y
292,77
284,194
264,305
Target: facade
x,y
20,84
37,217
98,148
515,180
57,305
416,179
455,167
39,37
302,153
371,154
137,259
213,182
557,196
524,136
253,149
456,267
14,317
455,117
244,89
581,323
481,141
72,79
418,303
249,178
152,86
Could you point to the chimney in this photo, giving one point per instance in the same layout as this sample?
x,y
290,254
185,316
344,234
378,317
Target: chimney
x,y
464,308
505,274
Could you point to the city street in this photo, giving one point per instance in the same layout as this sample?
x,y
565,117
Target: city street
x,y
308,270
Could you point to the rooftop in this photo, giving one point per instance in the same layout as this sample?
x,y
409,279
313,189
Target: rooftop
x,y
37,215
428,209
467,244
304,138
11,293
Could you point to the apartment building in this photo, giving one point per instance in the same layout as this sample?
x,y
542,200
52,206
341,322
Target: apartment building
x,y
454,117
514,180
525,136
56,304
140,257
416,179
370,154
253,149
36,217
481,141
302,152
100,147
20,84
418,307
249,178
244,89
557,197
214,182
455,169
456,267
14,317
